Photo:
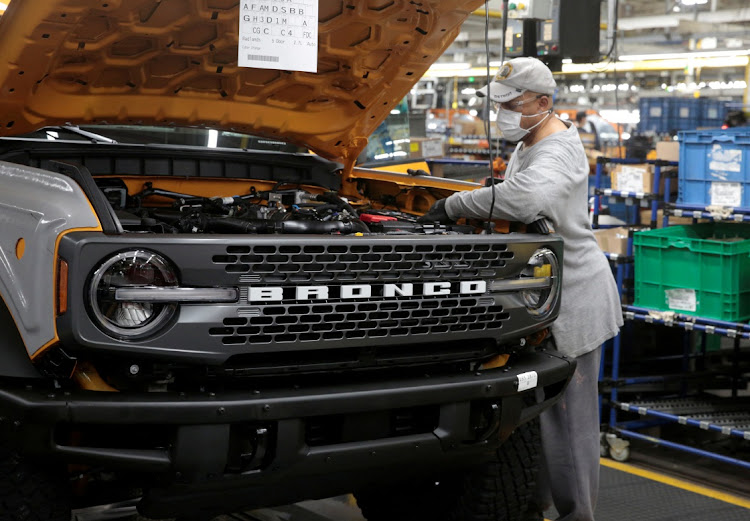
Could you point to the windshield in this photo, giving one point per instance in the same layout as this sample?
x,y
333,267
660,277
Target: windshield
x,y
391,140
150,135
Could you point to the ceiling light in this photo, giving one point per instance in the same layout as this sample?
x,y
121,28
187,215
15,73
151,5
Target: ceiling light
x,y
683,55
693,2
3,6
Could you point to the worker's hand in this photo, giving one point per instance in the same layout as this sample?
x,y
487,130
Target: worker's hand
x,y
436,213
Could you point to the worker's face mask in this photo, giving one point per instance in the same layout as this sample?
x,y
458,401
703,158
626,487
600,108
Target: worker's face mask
x,y
509,123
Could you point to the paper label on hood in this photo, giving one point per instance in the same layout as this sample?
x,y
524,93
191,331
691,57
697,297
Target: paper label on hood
x,y
279,34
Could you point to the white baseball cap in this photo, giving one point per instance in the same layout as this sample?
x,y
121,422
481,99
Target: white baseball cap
x,y
516,76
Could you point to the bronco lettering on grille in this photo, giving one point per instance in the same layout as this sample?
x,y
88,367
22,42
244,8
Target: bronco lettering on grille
x,y
362,291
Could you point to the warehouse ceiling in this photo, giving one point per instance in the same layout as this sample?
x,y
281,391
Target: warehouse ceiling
x,y
643,27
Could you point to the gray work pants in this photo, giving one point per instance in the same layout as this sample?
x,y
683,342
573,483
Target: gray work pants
x,y
569,473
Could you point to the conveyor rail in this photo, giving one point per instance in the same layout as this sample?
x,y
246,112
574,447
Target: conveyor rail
x,y
729,417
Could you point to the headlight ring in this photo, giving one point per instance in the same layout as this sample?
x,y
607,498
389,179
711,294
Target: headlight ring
x,y
544,267
131,269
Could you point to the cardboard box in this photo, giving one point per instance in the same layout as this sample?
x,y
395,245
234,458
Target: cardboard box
x,y
612,240
645,216
668,150
470,128
633,178
420,147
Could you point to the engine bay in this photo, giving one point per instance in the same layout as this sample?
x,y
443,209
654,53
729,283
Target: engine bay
x,y
282,208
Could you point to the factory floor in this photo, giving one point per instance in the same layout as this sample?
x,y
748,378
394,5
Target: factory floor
x,y
649,487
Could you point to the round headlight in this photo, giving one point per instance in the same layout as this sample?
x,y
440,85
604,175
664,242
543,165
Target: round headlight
x,y
131,269
544,271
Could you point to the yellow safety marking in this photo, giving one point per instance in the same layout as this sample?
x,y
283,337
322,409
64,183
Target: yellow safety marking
x,y
403,167
493,14
685,485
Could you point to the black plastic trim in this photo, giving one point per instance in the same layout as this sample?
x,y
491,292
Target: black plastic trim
x,y
200,417
187,339
81,175
86,407
154,161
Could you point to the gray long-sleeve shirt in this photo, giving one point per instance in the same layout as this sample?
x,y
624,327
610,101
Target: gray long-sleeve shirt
x,y
550,180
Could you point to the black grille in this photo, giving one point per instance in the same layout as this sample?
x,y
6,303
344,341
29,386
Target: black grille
x,y
386,355
363,263
335,319
373,319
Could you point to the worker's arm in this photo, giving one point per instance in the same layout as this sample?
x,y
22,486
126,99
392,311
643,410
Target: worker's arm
x,y
524,197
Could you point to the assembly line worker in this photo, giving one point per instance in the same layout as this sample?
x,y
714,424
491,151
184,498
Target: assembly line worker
x,y
547,177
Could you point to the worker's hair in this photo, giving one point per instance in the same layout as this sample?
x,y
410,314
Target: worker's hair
x,y
580,115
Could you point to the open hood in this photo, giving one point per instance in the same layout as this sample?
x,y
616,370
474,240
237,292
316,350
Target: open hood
x,y
174,62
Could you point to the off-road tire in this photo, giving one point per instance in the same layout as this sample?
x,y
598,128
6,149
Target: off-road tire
x,y
31,491
497,490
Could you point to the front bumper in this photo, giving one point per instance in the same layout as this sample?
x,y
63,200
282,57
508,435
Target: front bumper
x,y
193,466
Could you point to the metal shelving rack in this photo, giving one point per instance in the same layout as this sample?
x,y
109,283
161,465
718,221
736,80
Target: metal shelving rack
x,y
702,212
650,199
688,322
728,416
708,414
620,263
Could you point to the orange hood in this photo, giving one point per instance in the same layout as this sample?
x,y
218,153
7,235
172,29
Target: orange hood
x,y
174,62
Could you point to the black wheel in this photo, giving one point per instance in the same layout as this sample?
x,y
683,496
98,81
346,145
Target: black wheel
x,y
31,491
497,490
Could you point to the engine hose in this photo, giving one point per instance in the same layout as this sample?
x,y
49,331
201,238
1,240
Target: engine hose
x,y
316,227
231,225
331,197
360,227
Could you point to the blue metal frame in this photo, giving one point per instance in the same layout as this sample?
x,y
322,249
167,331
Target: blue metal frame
x,y
684,420
653,196
700,212
621,263
684,448
689,323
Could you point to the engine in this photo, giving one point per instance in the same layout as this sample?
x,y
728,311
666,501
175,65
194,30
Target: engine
x,y
274,211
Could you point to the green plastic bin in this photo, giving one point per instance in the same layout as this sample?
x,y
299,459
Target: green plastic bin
x,y
701,269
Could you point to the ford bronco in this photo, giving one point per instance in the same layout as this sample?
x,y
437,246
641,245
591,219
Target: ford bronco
x,y
200,317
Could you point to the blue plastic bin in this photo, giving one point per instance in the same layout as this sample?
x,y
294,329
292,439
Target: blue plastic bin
x,y
656,114
715,168
685,113
712,112
667,115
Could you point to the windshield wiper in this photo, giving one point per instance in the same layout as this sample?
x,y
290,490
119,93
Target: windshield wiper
x,y
97,138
